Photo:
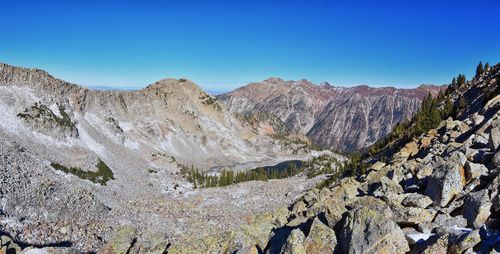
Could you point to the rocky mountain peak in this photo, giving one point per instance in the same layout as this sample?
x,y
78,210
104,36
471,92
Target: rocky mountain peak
x,y
340,118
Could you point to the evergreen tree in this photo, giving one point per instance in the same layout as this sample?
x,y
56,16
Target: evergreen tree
x,y
479,69
487,66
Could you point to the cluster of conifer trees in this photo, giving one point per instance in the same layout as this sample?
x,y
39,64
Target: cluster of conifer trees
x,y
227,177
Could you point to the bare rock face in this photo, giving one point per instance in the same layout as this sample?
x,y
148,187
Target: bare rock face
x,y
333,117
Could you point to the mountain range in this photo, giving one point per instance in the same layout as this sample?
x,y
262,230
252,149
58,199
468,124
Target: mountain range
x,y
342,118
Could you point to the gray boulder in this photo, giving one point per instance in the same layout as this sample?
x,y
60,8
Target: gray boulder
x,y
494,140
446,221
445,182
476,208
475,170
321,239
417,200
368,231
294,243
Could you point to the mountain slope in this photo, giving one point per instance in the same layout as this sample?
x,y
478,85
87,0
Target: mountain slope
x,y
342,118
76,164
437,193
171,117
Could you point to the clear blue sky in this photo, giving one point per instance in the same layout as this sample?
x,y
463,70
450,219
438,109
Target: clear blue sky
x,y
225,44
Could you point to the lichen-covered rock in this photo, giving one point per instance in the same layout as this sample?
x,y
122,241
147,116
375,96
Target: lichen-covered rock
x,y
436,244
255,233
121,242
477,208
464,242
385,186
334,209
445,182
294,243
8,245
417,200
321,239
412,215
368,231
346,189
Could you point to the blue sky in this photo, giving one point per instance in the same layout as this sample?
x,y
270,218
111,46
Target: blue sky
x,y
225,44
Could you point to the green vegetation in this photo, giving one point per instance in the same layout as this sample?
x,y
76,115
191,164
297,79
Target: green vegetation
x,y
206,99
101,176
200,179
479,69
40,111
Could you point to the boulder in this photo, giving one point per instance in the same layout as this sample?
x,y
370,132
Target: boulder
x,y
474,170
377,166
458,157
447,221
294,243
476,208
333,211
411,216
385,186
480,141
372,203
496,159
445,182
464,242
435,244
8,246
321,239
346,189
121,242
494,138
299,207
367,231
477,119
417,200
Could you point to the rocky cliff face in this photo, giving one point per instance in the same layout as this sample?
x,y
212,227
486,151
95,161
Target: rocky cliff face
x,y
334,117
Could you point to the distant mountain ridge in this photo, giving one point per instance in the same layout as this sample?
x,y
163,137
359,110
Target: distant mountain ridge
x,y
343,118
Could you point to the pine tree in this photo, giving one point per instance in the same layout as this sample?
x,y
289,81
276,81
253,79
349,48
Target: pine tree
x,y
479,69
487,66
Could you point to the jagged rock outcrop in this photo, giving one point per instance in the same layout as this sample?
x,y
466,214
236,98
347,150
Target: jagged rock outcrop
x,y
334,117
